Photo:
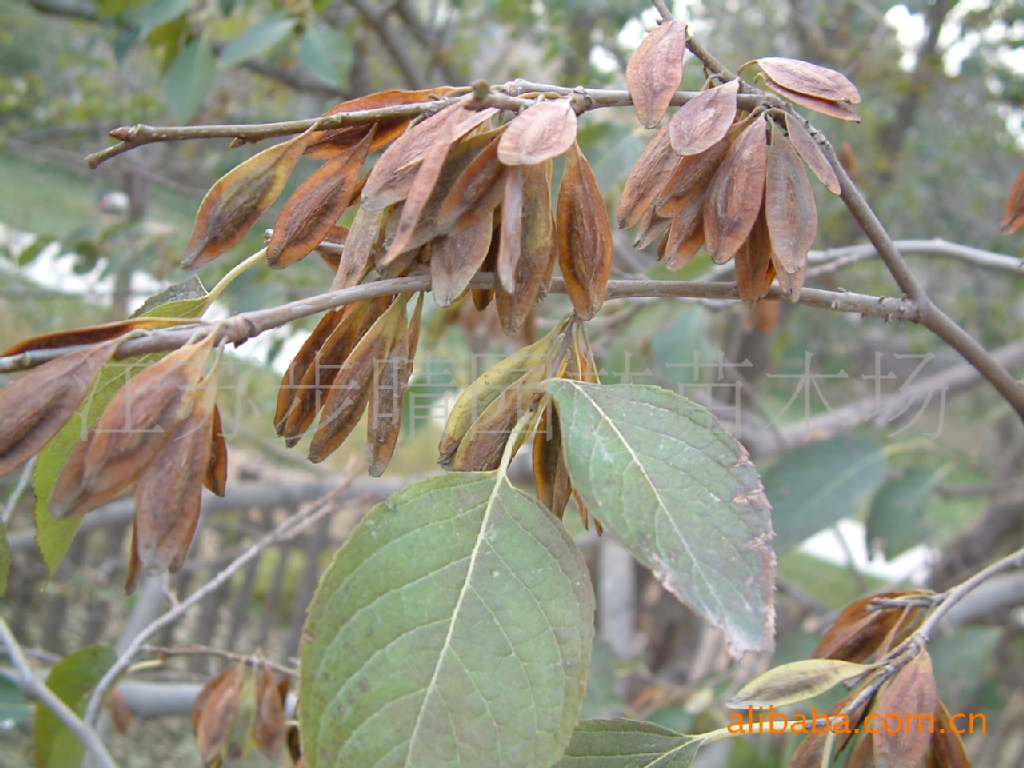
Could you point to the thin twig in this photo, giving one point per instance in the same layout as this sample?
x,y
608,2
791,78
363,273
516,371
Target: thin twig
x,y
34,688
247,325
202,650
286,530
12,500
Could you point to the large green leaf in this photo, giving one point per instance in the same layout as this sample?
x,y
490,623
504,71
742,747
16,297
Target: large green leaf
x,y
453,628
819,484
54,536
681,495
894,520
71,679
622,743
189,79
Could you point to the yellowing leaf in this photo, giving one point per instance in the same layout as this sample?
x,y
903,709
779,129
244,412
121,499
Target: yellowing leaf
x,y
237,199
704,120
542,132
655,70
795,682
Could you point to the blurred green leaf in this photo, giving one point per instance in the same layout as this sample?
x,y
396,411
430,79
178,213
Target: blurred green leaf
x,y
257,40
159,12
894,520
327,54
5,558
819,484
190,78
71,679
15,708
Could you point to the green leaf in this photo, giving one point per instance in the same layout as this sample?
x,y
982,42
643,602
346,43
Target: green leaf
x,y
71,679
256,40
797,681
681,495
32,251
326,54
819,484
160,12
189,79
54,536
894,519
5,559
453,628
15,708
622,743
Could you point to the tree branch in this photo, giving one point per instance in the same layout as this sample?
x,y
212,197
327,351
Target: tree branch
x,y
396,48
38,690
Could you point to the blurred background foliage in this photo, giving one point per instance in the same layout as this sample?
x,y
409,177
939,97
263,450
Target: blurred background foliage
x,y
936,153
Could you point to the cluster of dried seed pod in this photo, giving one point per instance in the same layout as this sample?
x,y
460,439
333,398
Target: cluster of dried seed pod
x,y
357,358
239,710
452,195
733,182
160,432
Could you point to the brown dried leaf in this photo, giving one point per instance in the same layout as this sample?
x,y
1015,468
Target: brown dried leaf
x,y
1013,216
238,198
332,246
456,257
384,414
584,234
120,712
811,154
652,226
316,206
766,314
93,334
270,728
841,110
328,143
790,212
809,79
911,696
170,487
476,193
735,193
704,120
350,390
655,70
39,403
538,251
216,478
685,234
361,245
859,634
214,711
393,175
653,169
947,747
808,754
541,132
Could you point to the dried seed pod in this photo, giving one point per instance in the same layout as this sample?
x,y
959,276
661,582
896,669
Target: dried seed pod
x,y
270,727
811,154
704,120
911,693
541,132
238,198
538,251
685,234
214,712
550,473
585,248
753,260
39,403
216,478
120,712
456,257
864,631
655,70
476,193
1013,215
789,209
690,179
476,398
510,241
316,206
134,427
384,413
736,192
361,247
350,389
291,383
809,79
841,110
645,182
